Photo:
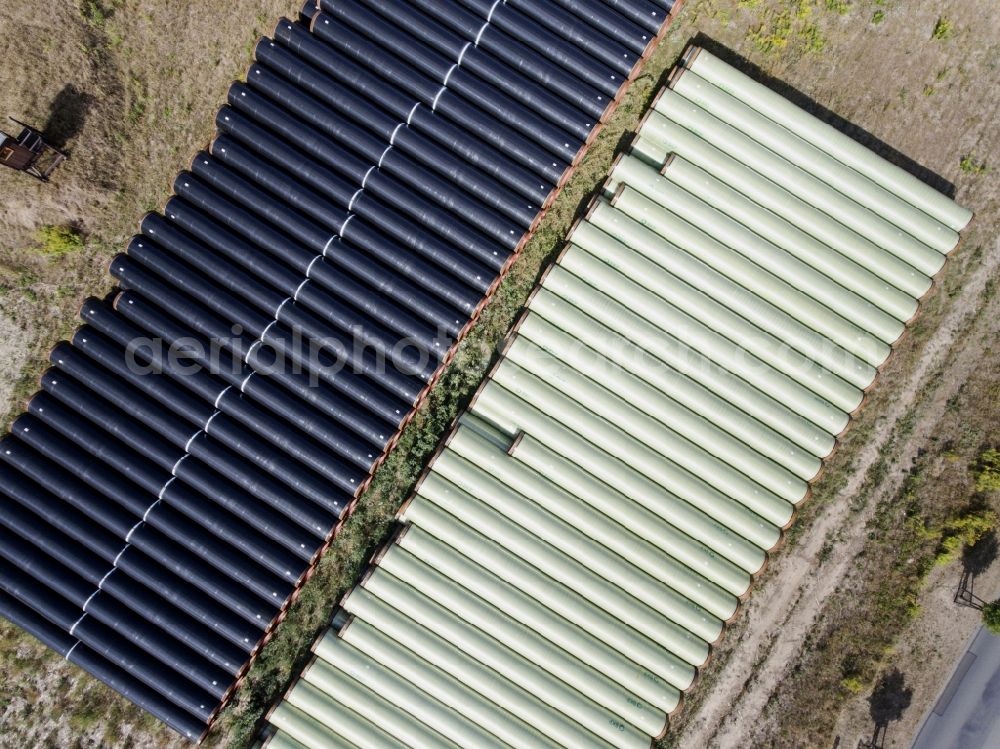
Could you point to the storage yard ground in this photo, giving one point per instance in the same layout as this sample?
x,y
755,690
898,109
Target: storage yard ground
x,y
142,81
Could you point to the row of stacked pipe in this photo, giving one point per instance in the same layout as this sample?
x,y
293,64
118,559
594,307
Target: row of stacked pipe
x,y
206,432
675,383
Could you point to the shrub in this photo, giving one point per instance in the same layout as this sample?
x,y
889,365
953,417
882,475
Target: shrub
x,y
988,472
55,241
942,29
970,165
962,531
991,617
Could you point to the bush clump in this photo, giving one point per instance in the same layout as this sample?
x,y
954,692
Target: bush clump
x,y
56,241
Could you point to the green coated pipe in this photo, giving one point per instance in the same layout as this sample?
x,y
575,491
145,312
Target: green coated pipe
x,y
563,602
592,668
681,278
735,468
433,645
619,334
591,696
653,387
701,520
595,525
564,537
752,261
489,431
814,191
675,322
371,705
334,716
815,161
643,224
688,640
712,563
442,686
576,715
281,740
843,148
749,515
389,685
897,306
660,137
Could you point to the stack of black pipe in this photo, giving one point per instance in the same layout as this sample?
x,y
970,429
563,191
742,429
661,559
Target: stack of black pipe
x,y
202,436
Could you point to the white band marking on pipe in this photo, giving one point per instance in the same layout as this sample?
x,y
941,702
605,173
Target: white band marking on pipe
x,y
164,489
146,514
410,115
76,623
216,404
295,296
364,180
447,76
89,599
312,263
70,651
277,312
331,240
392,138
350,206
465,49
245,381
128,536
187,445
438,96
114,564
173,471
389,147
210,418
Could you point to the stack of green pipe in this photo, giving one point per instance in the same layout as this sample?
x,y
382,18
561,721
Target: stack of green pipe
x,y
660,410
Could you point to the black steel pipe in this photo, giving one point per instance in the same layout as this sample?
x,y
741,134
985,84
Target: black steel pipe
x,y
548,156
196,487
393,170
278,401
163,515
32,565
537,37
412,153
225,464
90,661
419,90
647,14
375,258
532,79
222,420
504,93
607,21
182,591
39,596
350,89
308,341
460,262
498,44
588,38
270,389
142,535
90,549
271,358
288,278
146,437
